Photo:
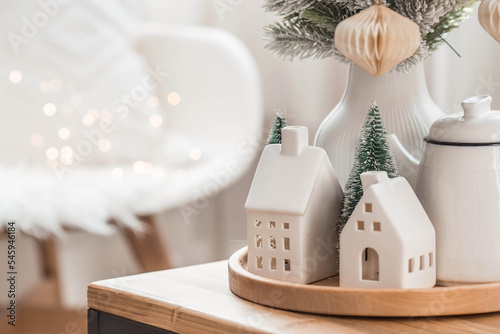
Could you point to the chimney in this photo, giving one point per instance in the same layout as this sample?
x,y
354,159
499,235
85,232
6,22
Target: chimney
x,y
293,140
370,178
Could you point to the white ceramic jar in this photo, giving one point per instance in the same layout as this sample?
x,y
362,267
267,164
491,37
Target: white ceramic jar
x,y
459,186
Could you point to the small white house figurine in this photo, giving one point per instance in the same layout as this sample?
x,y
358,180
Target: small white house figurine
x,y
292,209
389,241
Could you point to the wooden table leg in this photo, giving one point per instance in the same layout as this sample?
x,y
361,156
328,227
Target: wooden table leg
x,y
50,262
148,246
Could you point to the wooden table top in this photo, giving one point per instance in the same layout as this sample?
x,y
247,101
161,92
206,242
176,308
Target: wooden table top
x,y
197,298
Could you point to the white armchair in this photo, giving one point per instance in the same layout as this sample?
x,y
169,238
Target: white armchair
x,y
213,120
219,87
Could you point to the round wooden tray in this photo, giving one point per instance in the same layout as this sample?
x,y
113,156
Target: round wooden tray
x,y
326,297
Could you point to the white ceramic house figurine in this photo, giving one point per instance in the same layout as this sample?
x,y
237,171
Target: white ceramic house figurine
x,y
388,242
292,209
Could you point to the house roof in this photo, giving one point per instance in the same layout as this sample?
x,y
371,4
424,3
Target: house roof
x,y
401,206
284,183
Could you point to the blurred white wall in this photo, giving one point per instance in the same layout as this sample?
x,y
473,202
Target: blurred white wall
x,y
452,79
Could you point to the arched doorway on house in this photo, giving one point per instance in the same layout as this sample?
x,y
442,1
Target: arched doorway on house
x,y
369,264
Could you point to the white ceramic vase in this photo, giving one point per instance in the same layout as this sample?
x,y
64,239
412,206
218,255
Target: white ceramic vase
x,y
405,106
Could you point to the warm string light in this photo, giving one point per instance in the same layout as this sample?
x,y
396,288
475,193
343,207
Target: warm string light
x,y
65,155
49,109
195,153
52,153
88,120
64,133
90,117
15,77
173,98
155,120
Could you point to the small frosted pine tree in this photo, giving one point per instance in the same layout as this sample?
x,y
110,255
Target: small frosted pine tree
x,y
279,123
373,153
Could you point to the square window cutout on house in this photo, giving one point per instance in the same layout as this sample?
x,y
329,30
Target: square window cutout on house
x,y
272,224
377,226
361,225
286,243
431,256
287,265
259,262
258,241
286,226
273,263
411,265
422,262
258,223
272,242
368,207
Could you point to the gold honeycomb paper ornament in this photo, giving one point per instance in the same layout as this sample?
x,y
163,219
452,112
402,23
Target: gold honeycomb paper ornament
x,y
377,39
489,17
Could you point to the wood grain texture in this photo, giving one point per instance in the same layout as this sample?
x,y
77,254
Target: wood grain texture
x,y
194,299
197,299
325,297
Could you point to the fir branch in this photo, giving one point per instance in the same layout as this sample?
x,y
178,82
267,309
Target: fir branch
x,y
447,24
428,13
358,5
287,7
299,38
406,65
326,16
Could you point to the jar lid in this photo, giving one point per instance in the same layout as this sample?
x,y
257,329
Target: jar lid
x,y
477,125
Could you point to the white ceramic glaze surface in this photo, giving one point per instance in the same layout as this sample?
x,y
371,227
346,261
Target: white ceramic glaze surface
x,y
459,187
477,124
388,242
405,106
292,208
458,184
